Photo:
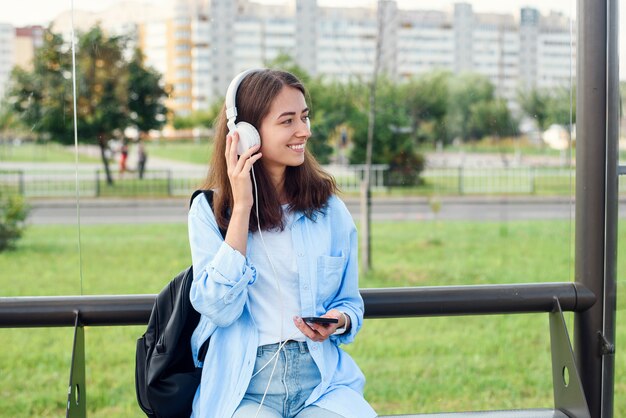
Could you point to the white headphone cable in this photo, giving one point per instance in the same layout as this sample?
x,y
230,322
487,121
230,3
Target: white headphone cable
x,y
282,343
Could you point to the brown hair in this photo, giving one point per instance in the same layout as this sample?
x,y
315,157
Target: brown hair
x,y
308,187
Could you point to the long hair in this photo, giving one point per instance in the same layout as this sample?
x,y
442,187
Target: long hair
x,y
307,186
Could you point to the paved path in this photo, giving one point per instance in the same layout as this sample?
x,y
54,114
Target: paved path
x,y
124,211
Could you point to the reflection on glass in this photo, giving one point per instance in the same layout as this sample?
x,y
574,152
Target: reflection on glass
x,y
474,153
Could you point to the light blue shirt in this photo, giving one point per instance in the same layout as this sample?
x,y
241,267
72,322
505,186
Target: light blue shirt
x,y
326,258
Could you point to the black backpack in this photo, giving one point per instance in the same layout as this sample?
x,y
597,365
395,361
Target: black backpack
x,y
166,378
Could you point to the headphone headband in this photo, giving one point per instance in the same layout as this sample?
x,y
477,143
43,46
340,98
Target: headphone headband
x,y
231,97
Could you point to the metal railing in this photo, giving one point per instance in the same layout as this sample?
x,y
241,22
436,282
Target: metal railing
x,y
93,182
554,298
439,180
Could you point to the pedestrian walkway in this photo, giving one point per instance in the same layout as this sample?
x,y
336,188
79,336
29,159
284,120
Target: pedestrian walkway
x,y
153,163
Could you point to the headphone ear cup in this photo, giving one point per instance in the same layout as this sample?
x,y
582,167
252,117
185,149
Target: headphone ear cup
x,y
248,137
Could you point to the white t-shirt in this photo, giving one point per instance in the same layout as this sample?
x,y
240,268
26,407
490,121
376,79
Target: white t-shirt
x,y
270,300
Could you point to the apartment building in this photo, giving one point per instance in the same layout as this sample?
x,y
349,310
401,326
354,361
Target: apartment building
x,y
7,47
514,51
199,45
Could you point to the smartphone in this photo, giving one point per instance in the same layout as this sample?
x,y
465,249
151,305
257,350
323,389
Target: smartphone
x,y
320,320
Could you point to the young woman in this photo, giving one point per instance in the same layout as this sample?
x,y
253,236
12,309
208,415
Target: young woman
x,y
290,251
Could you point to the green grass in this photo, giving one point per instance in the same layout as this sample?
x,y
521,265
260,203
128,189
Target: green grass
x,y
38,153
187,151
411,365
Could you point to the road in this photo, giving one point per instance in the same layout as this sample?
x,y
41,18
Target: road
x,y
125,211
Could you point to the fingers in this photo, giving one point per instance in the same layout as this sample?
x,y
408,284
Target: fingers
x,y
315,332
307,329
235,162
231,149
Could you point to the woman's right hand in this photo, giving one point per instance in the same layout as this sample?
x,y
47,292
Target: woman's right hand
x,y
239,172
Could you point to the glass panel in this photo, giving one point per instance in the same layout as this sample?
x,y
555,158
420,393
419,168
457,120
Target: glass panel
x,y
133,217
37,168
475,119
472,183
37,162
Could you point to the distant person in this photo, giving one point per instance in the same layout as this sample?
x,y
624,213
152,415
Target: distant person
x,y
142,157
123,158
289,252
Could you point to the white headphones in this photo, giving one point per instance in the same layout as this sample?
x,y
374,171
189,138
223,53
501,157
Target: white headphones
x,y
248,135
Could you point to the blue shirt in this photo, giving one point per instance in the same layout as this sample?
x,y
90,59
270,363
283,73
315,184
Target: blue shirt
x,y
326,258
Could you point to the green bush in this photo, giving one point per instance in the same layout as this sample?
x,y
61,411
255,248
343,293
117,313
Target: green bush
x,y
13,213
405,168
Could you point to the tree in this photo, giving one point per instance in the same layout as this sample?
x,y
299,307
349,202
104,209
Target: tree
x,y
112,93
333,105
146,95
466,90
535,104
426,100
42,98
390,117
562,106
549,106
103,93
9,122
491,118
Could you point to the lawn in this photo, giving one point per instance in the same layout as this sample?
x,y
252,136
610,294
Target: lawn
x,y
411,365
185,151
40,153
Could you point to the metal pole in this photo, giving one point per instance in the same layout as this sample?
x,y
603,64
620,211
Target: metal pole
x,y
113,310
366,196
596,200
612,195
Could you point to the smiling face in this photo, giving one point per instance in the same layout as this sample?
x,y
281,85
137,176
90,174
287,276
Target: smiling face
x,y
284,132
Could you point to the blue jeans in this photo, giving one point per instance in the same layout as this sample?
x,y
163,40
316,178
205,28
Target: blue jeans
x,y
294,379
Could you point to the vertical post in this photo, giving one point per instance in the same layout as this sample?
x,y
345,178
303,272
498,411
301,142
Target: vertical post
x,y
366,195
169,182
22,184
596,202
612,196
97,183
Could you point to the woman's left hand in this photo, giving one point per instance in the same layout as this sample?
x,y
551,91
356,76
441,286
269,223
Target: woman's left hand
x,y
320,332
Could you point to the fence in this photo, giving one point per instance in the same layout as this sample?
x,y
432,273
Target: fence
x,y
494,180
93,183
444,181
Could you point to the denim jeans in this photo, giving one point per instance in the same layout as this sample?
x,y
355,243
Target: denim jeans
x,y
293,380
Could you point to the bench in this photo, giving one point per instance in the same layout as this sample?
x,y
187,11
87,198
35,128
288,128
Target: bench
x,y
553,298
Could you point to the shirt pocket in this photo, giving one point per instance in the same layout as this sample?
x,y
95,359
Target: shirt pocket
x,y
329,274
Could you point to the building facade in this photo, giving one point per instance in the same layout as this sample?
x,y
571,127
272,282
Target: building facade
x,y
7,54
199,45
514,51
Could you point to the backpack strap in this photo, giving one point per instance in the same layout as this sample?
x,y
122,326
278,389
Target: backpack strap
x,y
208,194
